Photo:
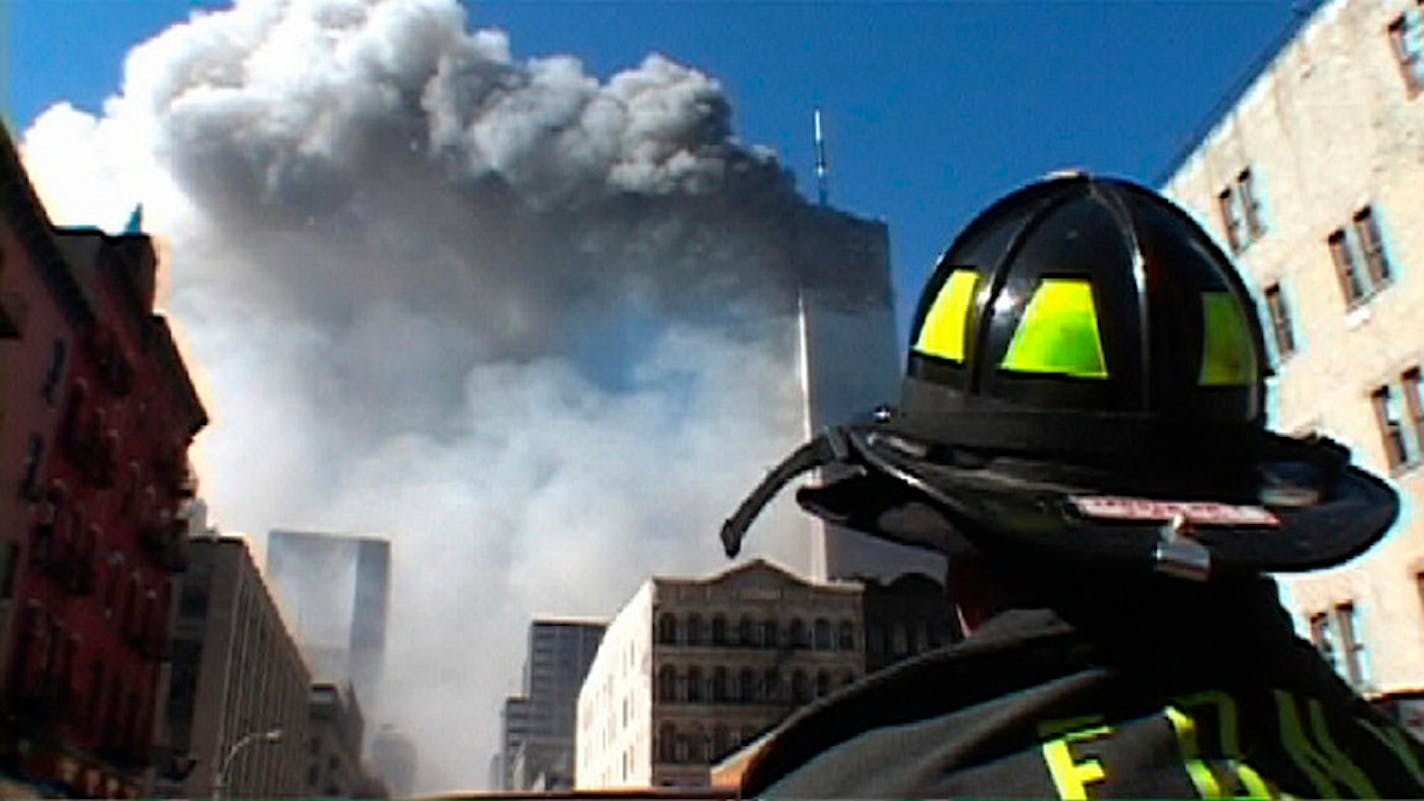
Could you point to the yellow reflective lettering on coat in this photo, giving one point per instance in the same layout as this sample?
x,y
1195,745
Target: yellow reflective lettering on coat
x,y
1071,773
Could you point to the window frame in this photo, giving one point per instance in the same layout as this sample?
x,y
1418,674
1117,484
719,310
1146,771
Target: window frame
x,y
1399,417
1353,649
1282,325
1361,259
1410,63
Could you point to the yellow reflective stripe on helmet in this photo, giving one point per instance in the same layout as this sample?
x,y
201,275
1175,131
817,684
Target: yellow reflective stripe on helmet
x,y
1228,358
942,334
1059,332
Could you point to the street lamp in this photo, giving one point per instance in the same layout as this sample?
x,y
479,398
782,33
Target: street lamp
x,y
272,736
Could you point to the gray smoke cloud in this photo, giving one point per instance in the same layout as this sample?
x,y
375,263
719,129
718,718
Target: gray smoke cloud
x,y
533,325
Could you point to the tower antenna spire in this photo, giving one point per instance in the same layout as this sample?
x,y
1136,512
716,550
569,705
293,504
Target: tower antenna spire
x,y
822,169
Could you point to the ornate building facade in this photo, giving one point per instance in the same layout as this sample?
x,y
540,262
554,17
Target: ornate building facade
x,y
692,669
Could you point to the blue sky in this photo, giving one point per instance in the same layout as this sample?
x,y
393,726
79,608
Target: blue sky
x,y
932,109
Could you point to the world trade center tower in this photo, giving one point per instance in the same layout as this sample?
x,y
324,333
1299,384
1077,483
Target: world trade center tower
x,y
334,591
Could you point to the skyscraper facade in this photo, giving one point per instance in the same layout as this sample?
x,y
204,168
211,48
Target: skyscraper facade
x,y
334,591
539,726
849,365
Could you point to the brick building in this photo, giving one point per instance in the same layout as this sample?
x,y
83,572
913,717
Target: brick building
x,y
96,415
1312,175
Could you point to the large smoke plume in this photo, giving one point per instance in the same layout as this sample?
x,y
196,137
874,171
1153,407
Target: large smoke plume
x,y
530,324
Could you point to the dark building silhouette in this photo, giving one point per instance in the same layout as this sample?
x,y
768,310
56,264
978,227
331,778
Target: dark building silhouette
x,y
905,617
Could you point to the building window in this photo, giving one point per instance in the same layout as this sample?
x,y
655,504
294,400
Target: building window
x,y
1352,645
1324,639
823,634
694,684
719,630
1281,325
771,685
823,683
58,357
721,687
694,629
1230,219
746,686
1399,412
797,634
30,475
1361,263
667,629
800,689
768,633
1250,204
1406,39
1242,218
667,684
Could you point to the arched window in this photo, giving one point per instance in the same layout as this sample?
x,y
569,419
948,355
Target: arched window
x,y
721,741
719,630
721,689
694,629
667,629
823,634
771,685
796,637
667,743
701,746
845,636
746,686
847,678
823,683
769,638
667,684
694,685
682,748
744,631
800,688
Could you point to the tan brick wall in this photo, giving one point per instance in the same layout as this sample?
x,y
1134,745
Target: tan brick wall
x,y
1326,129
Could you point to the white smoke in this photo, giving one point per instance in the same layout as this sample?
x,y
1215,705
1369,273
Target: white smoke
x,y
530,324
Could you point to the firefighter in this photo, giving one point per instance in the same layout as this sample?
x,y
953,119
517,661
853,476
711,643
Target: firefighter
x,y
1082,432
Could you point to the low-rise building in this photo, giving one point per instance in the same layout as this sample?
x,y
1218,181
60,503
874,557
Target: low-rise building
x,y
691,669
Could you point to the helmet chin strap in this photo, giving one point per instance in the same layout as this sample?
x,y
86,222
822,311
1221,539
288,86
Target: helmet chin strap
x,y
828,447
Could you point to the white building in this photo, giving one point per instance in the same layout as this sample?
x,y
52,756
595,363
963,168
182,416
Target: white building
x,y
690,669
1314,178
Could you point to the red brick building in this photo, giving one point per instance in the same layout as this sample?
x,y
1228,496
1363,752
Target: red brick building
x,y
96,415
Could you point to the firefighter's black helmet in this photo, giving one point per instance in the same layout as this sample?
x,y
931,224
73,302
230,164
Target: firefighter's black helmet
x,y
1086,379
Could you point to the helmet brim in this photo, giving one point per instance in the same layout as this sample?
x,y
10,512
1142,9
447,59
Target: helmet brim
x,y
932,498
